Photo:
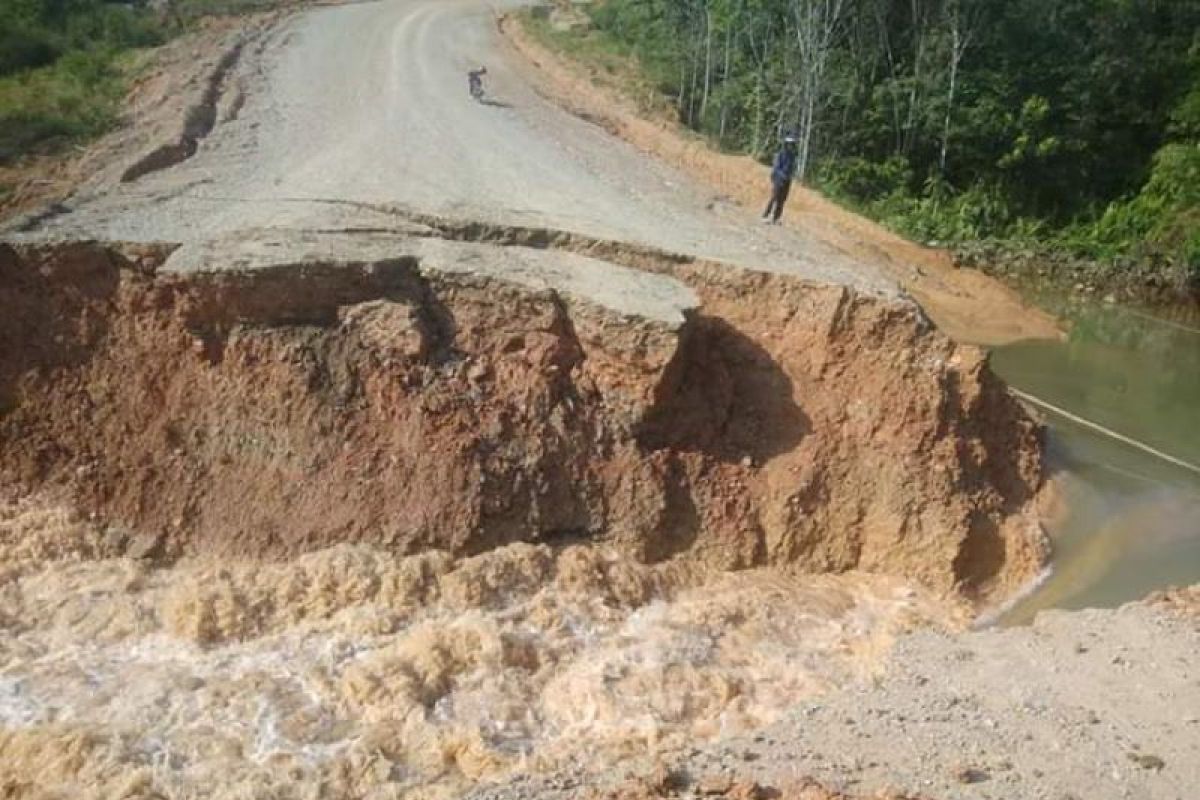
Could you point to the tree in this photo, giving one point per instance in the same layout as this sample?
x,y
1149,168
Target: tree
x,y
962,18
818,27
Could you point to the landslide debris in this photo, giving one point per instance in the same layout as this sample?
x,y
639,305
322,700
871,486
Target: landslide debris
x,y
277,393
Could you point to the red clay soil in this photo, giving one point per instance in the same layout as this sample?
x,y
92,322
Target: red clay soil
x,y
276,412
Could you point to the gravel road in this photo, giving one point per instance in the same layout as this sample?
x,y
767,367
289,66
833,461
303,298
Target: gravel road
x,y
367,104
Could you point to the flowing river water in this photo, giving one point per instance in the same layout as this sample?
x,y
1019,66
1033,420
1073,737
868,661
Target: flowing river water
x,y
1129,518
357,672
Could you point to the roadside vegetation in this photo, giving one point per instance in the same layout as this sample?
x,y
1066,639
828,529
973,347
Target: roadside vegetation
x,y
1066,133
65,65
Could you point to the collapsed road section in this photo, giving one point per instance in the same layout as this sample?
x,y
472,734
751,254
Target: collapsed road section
x,y
275,393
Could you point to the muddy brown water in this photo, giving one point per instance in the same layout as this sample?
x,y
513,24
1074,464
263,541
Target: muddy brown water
x,y
1130,520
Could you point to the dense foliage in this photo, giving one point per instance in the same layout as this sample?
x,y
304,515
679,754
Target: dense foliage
x,y
1071,121
36,33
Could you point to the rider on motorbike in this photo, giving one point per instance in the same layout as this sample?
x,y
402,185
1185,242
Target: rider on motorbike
x,y
475,82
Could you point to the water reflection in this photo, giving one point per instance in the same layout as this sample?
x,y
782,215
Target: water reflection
x,y
1132,523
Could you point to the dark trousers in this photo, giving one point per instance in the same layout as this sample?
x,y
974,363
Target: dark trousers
x,y
779,196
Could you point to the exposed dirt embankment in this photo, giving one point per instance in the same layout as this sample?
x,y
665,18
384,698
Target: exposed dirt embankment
x,y
407,397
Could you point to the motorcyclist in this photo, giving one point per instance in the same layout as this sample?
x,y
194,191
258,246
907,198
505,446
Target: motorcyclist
x,y
475,82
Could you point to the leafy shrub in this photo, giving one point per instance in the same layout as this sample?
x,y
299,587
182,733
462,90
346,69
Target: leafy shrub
x,y
21,48
41,109
866,181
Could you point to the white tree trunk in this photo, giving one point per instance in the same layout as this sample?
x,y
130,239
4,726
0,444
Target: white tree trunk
x,y
818,25
708,35
962,18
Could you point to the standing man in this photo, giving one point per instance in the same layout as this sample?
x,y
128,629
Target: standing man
x,y
781,179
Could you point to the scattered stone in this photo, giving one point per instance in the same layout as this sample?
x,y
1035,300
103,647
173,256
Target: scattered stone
x,y
479,373
1147,761
667,780
714,785
115,540
145,546
969,775
746,790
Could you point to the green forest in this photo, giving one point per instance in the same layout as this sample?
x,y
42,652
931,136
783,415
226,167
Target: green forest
x,y
1073,124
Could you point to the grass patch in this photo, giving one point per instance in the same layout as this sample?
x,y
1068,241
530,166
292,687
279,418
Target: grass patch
x,y
66,68
187,11
46,109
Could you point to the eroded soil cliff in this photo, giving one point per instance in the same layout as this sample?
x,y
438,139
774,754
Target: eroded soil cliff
x,y
273,395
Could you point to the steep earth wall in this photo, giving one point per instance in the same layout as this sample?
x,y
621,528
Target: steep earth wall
x,y
272,396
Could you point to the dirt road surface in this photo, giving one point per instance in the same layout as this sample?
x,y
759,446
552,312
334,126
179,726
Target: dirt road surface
x,y
335,324
368,104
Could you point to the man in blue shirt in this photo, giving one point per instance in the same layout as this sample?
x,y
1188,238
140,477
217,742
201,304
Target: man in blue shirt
x,y
781,179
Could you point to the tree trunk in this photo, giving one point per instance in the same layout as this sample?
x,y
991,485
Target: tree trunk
x,y
962,22
955,57
708,32
818,23
730,41
914,93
